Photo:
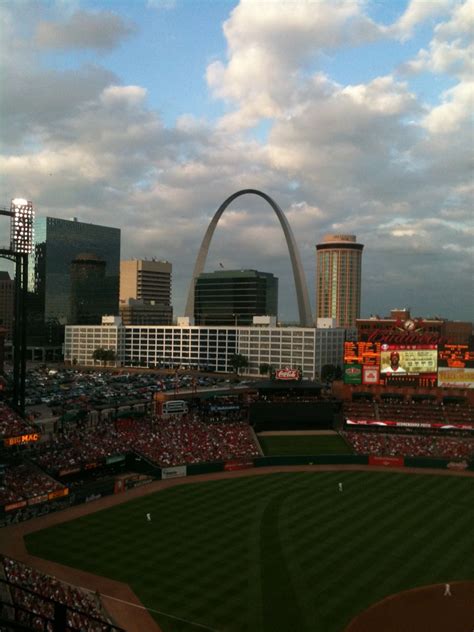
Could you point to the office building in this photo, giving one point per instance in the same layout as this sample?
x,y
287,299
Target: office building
x,y
88,300
210,348
67,256
138,312
7,300
145,292
338,279
234,297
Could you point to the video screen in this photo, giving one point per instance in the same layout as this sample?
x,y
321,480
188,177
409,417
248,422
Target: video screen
x,y
408,359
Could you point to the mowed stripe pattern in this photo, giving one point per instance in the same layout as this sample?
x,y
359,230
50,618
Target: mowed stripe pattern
x,y
279,552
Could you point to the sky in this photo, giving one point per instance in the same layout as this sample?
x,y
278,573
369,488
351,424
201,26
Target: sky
x,y
354,116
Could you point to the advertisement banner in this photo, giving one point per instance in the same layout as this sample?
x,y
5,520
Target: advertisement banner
x,y
287,374
91,466
352,374
22,439
387,461
18,505
118,458
59,493
69,470
456,378
370,375
411,424
232,466
38,499
173,472
457,465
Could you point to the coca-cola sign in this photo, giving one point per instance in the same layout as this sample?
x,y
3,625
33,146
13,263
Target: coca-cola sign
x,y
287,374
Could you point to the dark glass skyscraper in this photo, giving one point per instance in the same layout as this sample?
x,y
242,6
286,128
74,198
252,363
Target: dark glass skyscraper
x,y
234,297
66,255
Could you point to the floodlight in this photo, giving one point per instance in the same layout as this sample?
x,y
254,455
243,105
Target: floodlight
x,y
21,227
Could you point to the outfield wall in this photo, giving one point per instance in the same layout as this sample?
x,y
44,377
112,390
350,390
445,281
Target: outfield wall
x,y
145,472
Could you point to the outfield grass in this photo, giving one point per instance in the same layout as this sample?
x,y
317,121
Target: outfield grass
x,y
285,445
284,552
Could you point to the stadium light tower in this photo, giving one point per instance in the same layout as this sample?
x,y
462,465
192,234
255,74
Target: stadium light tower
x,y
21,226
22,217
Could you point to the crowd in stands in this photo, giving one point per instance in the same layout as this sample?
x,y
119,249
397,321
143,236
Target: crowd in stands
x,y
381,444
167,442
177,441
11,424
25,481
85,604
400,410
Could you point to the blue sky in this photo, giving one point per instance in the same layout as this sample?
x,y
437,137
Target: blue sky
x,y
354,116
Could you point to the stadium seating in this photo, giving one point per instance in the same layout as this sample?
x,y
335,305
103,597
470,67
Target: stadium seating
x,y
11,424
430,445
85,604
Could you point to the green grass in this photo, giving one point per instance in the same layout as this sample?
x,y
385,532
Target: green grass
x,y
285,445
284,552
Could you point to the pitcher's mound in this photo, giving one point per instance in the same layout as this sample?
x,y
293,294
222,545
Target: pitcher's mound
x,y
419,610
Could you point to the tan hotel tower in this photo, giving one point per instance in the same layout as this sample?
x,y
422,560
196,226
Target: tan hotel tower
x,y
145,292
338,279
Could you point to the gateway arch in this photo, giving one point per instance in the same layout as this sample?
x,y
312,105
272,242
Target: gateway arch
x,y
298,272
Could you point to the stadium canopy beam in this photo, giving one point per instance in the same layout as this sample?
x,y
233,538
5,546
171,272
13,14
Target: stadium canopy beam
x,y
304,308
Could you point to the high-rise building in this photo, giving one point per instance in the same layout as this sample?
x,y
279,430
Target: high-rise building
x,y
7,294
338,279
145,292
88,300
68,255
234,297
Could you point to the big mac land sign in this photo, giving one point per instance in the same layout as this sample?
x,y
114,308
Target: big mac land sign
x,y
287,374
31,437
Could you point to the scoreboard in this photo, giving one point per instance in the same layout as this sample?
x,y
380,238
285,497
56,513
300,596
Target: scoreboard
x,y
456,356
366,353
362,362
456,366
419,365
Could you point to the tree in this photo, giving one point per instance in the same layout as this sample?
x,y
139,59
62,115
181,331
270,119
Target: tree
x,y
265,369
103,355
328,373
238,361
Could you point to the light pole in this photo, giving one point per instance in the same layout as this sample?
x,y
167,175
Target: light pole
x,y
21,215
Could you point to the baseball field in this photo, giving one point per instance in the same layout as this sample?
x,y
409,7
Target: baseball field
x,y
278,552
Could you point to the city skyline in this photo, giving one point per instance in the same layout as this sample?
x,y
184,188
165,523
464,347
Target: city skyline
x,y
354,117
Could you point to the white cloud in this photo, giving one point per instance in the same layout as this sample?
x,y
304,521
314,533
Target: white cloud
x,y
417,12
123,95
268,45
455,112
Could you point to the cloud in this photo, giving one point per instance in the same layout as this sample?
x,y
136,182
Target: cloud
x,y
455,112
367,157
268,45
102,30
417,12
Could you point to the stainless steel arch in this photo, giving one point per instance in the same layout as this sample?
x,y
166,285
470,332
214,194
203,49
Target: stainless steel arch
x,y
298,272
